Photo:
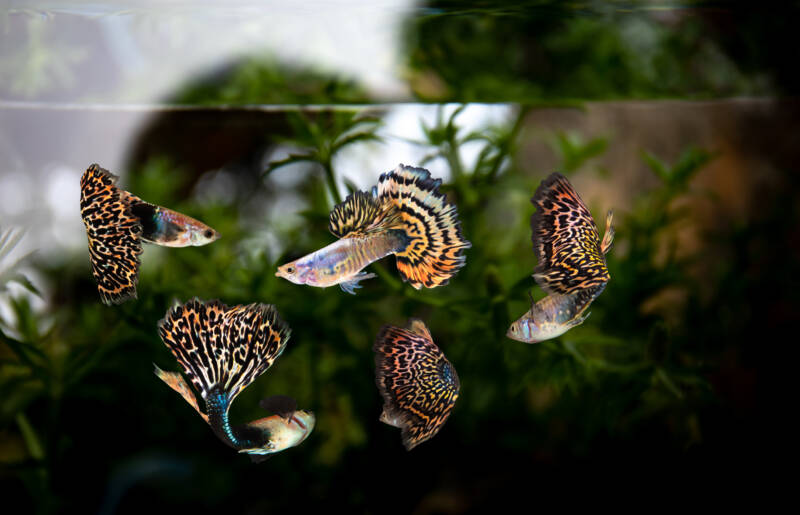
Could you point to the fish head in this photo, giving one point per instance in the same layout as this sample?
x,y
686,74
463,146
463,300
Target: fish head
x,y
297,272
302,422
522,330
200,234
281,433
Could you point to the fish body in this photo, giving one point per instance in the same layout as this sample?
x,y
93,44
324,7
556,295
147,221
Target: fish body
x,y
552,316
117,222
283,433
571,265
342,261
168,228
222,350
404,215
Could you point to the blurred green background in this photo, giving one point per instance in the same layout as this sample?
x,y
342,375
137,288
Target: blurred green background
x,y
661,388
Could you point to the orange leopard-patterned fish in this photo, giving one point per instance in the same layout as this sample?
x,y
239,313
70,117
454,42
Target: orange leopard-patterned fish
x,y
418,384
404,215
572,266
117,222
222,350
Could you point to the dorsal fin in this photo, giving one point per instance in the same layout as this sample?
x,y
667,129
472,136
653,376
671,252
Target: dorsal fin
x,y
415,325
361,213
608,237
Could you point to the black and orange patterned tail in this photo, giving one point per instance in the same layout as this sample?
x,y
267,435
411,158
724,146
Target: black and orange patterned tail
x,y
418,384
114,235
565,239
221,348
434,250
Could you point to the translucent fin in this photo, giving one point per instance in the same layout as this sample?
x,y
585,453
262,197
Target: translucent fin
x,y
575,322
361,213
565,239
608,236
223,347
418,384
415,325
113,234
176,382
434,252
351,286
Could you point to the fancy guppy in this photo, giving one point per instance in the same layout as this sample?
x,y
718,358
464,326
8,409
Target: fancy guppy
x,y
404,215
223,349
572,265
116,224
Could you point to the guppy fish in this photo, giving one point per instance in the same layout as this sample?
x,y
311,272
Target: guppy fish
x,y
418,384
572,265
404,215
117,222
222,350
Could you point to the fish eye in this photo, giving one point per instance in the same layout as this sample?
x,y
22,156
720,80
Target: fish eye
x,y
290,270
209,233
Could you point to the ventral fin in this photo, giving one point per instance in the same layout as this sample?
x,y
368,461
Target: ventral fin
x,y
350,286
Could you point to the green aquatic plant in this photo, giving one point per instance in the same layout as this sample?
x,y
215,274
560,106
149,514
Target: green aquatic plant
x,y
634,368
320,136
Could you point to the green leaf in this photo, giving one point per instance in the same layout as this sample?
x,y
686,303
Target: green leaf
x,y
32,442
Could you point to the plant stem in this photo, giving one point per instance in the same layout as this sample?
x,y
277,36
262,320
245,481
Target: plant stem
x,y
330,179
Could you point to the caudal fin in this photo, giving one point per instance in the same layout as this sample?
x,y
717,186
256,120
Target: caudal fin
x,y
114,235
418,384
434,249
223,348
565,239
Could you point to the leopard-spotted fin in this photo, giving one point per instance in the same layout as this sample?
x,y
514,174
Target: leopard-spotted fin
x,y
114,235
418,384
362,213
565,239
223,348
431,232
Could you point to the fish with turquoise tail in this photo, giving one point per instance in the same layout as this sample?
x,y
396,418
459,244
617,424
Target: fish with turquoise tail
x,y
572,266
418,384
116,224
222,350
404,215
